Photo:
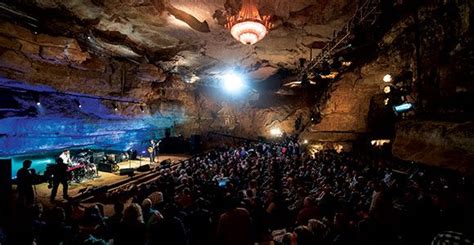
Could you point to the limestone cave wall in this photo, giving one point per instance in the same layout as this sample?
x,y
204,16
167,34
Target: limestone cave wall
x,y
434,44
42,65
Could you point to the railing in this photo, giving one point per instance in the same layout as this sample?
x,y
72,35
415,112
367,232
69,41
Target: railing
x,y
366,14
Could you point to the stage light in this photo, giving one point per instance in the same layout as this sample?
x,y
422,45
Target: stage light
x,y
385,101
232,82
115,107
387,78
305,141
37,100
380,142
387,89
276,132
403,107
346,63
78,103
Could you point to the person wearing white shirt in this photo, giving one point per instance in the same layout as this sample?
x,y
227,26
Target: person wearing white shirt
x,y
66,156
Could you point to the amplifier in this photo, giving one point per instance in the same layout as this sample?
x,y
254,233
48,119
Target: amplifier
x,y
105,167
126,171
98,157
165,164
144,168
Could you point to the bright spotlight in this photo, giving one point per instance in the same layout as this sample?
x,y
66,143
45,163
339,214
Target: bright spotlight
x,y
305,141
387,89
78,103
232,82
276,132
387,78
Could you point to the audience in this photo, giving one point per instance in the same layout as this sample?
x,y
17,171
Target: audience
x,y
271,192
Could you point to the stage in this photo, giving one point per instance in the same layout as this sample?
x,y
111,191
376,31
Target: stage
x,y
43,192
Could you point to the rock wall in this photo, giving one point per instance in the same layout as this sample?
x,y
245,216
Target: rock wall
x,y
445,52
442,144
54,63
345,115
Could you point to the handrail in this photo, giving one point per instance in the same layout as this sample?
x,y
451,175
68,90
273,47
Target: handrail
x,y
363,11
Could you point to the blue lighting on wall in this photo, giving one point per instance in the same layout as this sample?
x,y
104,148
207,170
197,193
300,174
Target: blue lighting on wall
x,y
29,130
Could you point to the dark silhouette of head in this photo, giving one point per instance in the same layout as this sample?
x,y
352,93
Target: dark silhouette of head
x,y
27,164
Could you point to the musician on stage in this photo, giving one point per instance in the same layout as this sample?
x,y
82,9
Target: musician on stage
x,y
153,149
60,176
66,156
25,180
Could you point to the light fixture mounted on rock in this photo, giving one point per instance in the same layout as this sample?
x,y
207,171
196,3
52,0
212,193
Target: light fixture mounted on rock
x,y
248,27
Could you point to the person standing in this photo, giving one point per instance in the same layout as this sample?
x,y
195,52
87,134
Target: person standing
x,y
60,176
66,156
24,178
152,151
235,225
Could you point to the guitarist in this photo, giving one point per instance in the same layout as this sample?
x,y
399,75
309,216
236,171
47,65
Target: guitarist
x,y
153,149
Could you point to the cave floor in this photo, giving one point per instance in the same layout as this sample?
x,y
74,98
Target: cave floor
x,y
43,192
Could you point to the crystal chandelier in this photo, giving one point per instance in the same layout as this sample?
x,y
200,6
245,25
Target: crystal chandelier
x,y
248,27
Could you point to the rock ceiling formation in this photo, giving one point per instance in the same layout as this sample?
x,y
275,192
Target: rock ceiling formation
x,y
188,36
147,50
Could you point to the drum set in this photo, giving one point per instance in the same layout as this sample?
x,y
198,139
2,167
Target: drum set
x,y
82,167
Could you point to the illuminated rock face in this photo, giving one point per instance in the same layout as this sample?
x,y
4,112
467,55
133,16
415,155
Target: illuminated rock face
x,y
58,122
174,33
442,144
171,41
170,102
170,52
441,85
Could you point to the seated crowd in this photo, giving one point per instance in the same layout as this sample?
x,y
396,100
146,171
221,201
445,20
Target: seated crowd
x,y
270,193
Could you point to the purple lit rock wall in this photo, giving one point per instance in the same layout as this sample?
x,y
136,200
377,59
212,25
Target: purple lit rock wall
x,y
58,122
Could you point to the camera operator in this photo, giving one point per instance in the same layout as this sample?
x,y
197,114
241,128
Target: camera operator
x,y
60,176
25,179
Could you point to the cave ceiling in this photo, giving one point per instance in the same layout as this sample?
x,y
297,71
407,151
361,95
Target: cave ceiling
x,y
188,36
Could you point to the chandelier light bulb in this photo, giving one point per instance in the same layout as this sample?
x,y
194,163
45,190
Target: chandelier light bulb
x,y
248,27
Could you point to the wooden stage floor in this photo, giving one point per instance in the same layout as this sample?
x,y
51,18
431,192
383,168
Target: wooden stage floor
x,y
43,192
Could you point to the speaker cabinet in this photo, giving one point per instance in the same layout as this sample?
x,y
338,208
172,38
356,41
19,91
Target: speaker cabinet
x,y
5,187
144,168
98,157
5,176
127,171
165,164
105,167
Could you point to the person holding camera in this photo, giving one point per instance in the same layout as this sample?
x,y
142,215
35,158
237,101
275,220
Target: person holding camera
x,y
60,176
25,177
